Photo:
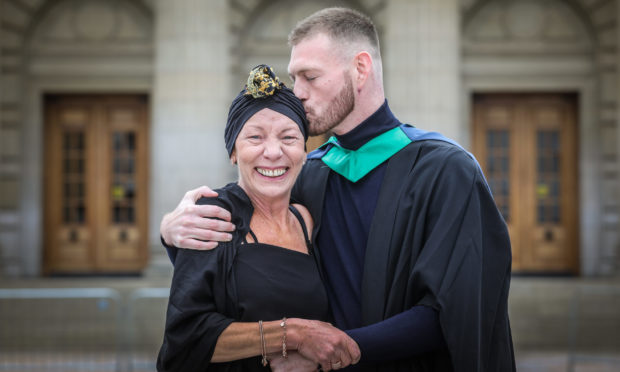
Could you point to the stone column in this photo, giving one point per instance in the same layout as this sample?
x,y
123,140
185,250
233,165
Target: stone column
x,y
189,107
421,54
617,193
18,243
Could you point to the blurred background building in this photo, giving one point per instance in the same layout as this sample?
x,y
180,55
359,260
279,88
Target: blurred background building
x,y
111,109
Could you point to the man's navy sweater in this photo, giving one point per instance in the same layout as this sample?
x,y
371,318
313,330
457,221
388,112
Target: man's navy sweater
x,y
347,215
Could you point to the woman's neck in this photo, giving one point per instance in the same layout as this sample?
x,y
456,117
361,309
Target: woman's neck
x,y
272,223
273,210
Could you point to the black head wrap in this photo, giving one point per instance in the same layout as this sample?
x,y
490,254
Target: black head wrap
x,y
263,90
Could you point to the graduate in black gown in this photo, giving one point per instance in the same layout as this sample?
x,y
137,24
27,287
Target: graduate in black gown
x,y
414,255
228,307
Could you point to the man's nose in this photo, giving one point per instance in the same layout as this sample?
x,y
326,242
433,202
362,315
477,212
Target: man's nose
x,y
300,91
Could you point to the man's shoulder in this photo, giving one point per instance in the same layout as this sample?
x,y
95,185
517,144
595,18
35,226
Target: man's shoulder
x,y
437,147
319,152
313,164
438,154
310,182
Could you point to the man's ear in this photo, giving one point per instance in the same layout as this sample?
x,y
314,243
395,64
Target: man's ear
x,y
363,68
233,158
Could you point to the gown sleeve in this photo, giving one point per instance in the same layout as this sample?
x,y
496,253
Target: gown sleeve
x,y
464,265
448,249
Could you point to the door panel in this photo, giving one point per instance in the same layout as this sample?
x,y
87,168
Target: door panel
x,y
124,220
96,184
526,145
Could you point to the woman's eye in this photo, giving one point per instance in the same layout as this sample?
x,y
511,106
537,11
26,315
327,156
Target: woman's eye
x,y
289,139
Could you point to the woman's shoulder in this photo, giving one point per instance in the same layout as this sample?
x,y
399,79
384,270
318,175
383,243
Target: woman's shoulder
x,y
229,197
233,199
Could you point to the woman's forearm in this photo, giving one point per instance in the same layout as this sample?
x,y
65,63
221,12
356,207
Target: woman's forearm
x,y
317,341
242,340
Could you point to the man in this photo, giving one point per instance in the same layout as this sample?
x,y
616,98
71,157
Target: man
x,y
413,252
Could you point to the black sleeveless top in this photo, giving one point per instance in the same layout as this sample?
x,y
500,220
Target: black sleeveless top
x,y
275,282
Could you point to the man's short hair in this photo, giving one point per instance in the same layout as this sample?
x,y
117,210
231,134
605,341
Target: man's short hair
x,y
340,24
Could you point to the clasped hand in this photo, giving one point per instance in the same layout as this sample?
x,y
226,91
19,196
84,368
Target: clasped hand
x,y
317,344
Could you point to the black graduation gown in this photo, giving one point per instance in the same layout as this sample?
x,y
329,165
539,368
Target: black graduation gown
x,y
436,239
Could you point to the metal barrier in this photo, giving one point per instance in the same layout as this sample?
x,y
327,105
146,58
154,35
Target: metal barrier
x,y
146,316
98,329
587,304
62,329
81,329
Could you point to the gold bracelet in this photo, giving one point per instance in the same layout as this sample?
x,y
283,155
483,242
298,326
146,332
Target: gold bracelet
x,y
262,343
283,325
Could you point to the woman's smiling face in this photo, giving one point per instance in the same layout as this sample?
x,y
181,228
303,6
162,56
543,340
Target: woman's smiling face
x,y
270,152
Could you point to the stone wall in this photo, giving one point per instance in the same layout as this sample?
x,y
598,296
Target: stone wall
x,y
14,21
55,46
193,47
556,46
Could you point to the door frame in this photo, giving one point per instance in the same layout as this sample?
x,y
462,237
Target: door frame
x,y
32,195
98,180
588,182
523,150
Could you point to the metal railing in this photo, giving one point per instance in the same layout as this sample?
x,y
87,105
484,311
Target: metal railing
x,y
146,332
587,311
80,329
100,329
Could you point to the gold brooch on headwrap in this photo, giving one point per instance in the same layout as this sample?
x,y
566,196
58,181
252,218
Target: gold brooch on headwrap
x,y
262,82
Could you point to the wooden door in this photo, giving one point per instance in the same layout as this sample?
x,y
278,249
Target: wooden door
x,y
527,147
95,184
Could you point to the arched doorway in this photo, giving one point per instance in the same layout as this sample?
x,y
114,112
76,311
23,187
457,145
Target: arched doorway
x,y
88,73
541,51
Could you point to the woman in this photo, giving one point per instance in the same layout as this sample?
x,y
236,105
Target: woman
x,y
231,307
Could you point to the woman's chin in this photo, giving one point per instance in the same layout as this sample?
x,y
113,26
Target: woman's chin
x,y
271,191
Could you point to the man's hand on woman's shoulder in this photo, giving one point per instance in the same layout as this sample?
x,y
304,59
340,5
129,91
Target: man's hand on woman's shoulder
x,y
194,226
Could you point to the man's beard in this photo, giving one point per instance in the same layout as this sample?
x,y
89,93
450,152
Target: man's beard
x,y
335,113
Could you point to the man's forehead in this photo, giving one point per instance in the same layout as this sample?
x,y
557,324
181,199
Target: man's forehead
x,y
299,67
309,54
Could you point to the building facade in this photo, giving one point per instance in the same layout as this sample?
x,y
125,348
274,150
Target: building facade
x,y
111,110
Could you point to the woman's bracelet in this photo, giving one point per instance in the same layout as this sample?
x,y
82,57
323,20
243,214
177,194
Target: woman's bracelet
x,y
283,325
262,343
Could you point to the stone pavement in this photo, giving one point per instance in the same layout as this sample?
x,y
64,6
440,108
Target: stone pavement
x,y
537,361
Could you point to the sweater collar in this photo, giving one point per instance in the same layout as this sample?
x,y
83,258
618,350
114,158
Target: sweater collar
x,y
379,122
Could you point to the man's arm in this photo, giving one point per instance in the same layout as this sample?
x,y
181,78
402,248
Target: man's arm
x,y
405,335
195,226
